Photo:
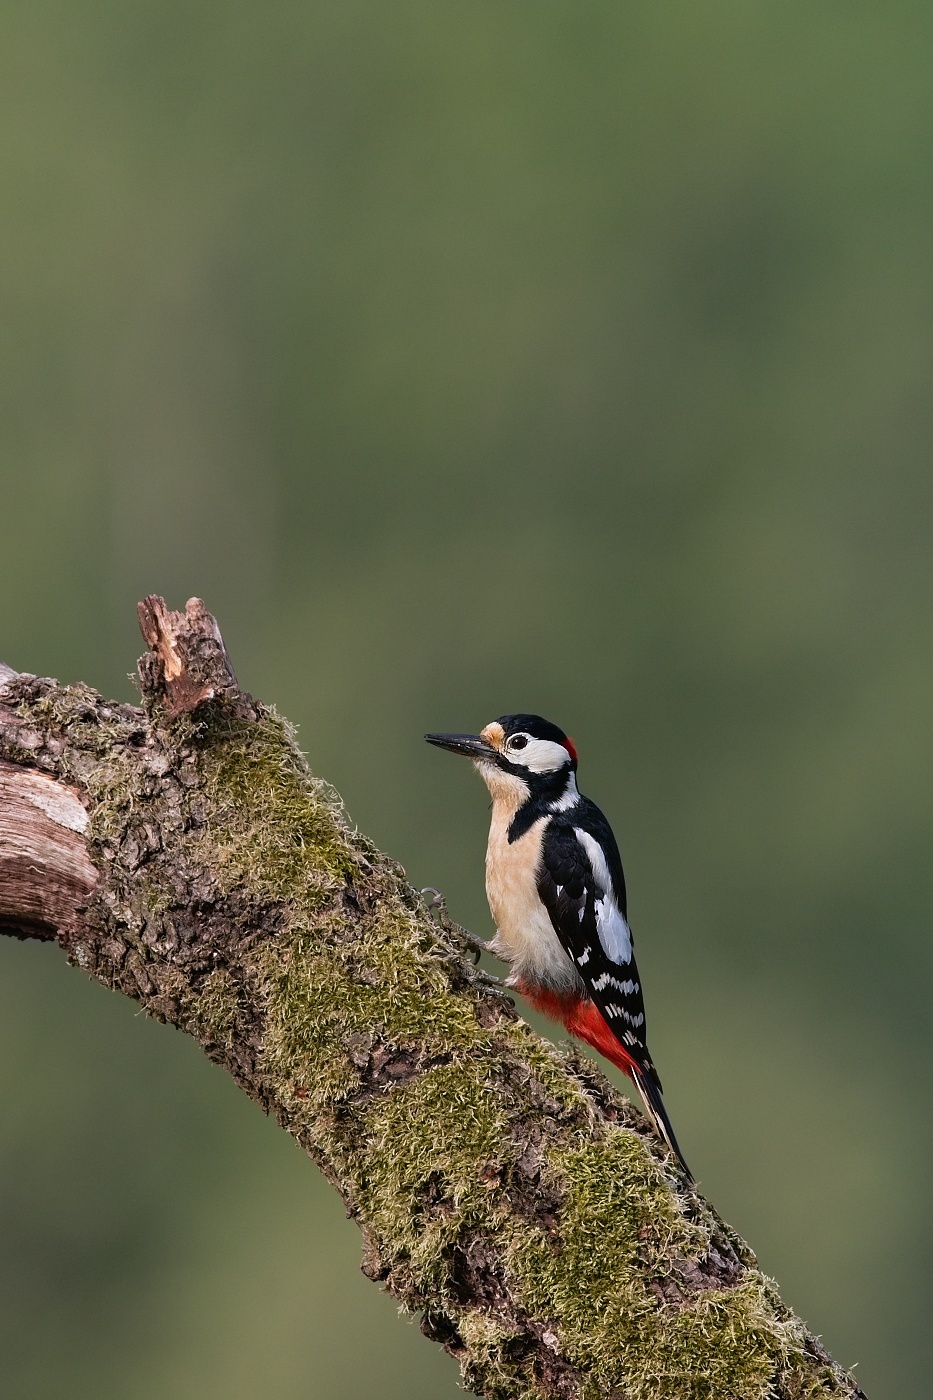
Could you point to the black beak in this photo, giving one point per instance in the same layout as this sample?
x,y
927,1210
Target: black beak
x,y
471,745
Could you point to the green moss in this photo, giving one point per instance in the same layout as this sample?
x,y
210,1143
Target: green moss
x,y
94,755
214,1009
111,788
485,1337
437,1140
78,712
321,993
271,825
801,1382
548,1065
620,1227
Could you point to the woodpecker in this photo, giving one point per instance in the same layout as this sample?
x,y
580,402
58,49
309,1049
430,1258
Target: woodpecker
x,y
556,891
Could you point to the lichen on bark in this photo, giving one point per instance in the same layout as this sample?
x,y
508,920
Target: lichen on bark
x,y
503,1189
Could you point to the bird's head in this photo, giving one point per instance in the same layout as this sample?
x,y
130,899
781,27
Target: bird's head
x,y
517,755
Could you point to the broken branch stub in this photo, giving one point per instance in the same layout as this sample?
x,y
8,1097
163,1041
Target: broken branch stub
x,y
187,663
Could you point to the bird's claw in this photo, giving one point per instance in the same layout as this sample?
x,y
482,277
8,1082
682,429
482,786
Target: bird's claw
x,y
435,900
476,945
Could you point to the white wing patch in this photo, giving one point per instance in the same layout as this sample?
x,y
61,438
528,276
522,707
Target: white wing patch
x,y
620,1013
606,979
614,933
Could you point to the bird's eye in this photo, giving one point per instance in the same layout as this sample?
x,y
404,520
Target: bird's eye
x,y
519,742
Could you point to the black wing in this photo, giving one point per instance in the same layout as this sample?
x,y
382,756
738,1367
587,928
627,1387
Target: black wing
x,y
581,884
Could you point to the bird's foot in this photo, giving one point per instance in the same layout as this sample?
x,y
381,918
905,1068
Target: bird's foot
x,y
435,900
488,979
476,945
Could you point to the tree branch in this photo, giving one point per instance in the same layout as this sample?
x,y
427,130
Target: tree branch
x,y
183,854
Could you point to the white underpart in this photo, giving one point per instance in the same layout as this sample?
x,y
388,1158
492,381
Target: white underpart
x,y
525,936
614,933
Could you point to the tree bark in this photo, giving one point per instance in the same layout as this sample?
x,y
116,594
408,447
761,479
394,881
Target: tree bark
x,y
184,854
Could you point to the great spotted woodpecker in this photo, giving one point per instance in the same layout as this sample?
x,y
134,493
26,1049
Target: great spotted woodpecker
x,y
557,894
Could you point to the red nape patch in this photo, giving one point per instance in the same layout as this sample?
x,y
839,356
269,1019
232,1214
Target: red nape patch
x,y
571,748
581,1018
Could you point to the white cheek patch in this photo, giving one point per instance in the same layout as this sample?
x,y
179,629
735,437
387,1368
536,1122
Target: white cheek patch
x,y
614,933
541,756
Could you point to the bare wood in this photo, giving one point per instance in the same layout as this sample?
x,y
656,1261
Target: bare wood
x,y
183,854
46,874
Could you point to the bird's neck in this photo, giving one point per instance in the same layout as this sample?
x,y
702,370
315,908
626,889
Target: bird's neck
x,y
519,802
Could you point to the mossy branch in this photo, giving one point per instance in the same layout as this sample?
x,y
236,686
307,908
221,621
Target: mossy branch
x,y
183,853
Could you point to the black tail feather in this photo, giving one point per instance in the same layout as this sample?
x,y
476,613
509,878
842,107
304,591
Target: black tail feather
x,y
654,1104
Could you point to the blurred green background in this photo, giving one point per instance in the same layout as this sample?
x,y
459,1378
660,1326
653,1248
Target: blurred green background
x,y
470,357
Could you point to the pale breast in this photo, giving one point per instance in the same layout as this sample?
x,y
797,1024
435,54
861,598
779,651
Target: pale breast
x,y
525,936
